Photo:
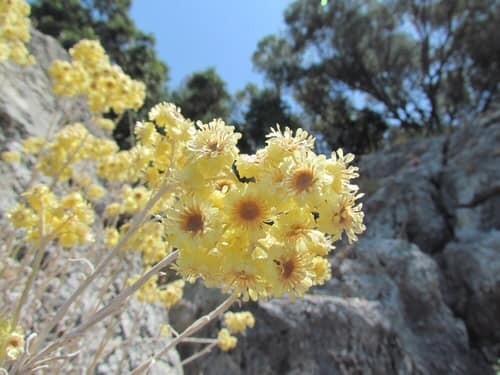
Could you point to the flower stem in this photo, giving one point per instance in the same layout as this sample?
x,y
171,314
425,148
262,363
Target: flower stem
x,y
193,328
135,224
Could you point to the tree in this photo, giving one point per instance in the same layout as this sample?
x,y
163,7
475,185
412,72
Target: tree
x,y
109,21
203,96
356,130
275,59
421,64
264,109
69,21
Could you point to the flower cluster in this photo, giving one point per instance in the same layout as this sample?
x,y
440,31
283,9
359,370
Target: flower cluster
x,y
43,215
71,145
238,322
11,341
90,73
235,323
257,225
153,291
15,31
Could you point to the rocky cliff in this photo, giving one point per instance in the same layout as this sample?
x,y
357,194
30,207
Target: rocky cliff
x,y
419,294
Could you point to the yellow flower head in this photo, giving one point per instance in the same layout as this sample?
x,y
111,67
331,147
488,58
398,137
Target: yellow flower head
x,y
15,31
11,341
191,223
247,208
342,215
284,143
238,322
172,293
213,146
225,341
291,270
11,157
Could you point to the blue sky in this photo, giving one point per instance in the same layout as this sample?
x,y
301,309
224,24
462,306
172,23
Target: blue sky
x,y
193,35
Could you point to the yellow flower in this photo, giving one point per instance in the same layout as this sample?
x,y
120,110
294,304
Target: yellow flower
x,y
166,115
247,208
213,146
238,322
242,274
342,215
284,143
22,217
112,210
32,145
15,31
95,192
11,157
40,197
172,293
11,341
104,123
291,270
90,73
337,167
293,225
149,291
191,223
321,270
305,176
111,237
225,341
89,53
134,198
193,263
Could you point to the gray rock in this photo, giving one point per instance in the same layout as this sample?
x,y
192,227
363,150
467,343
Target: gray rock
x,y
29,108
472,288
384,314
471,177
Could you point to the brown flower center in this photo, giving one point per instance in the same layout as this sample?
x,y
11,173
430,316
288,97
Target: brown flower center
x,y
15,341
249,210
287,268
192,222
302,179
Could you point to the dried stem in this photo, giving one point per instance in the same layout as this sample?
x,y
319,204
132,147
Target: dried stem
x,y
193,328
135,224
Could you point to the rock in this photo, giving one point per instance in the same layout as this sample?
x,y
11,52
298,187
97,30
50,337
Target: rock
x,y
472,288
471,177
29,108
316,335
407,201
384,314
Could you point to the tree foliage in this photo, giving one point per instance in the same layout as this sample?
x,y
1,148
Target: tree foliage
x,y
420,64
203,96
108,21
263,109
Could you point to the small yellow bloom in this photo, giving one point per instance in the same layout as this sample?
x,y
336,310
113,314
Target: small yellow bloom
x,y
11,341
11,157
238,322
172,293
112,210
225,341
111,237
95,192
